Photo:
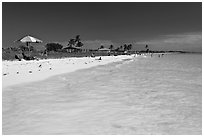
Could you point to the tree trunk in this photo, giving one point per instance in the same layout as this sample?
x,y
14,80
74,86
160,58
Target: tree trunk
x,y
27,43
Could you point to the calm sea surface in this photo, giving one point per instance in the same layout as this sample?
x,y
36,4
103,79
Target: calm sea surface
x,y
140,96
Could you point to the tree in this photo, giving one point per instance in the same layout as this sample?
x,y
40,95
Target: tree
x,y
32,48
75,42
146,46
121,47
117,49
129,47
53,46
101,47
111,47
23,48
125,47
77,38
71,42
79,44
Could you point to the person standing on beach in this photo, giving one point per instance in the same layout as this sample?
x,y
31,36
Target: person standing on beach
x,y
45,53
147,49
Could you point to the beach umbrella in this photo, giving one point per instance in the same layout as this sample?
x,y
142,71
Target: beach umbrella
x,y
29,39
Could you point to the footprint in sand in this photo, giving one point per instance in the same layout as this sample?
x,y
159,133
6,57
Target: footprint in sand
x,y
5,74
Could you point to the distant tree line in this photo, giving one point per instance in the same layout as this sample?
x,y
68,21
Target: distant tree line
x,y
124,47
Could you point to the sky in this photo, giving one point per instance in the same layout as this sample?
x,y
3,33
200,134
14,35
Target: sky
x,y
163,26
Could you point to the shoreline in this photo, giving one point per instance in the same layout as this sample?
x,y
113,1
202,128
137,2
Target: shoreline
x,y
21,72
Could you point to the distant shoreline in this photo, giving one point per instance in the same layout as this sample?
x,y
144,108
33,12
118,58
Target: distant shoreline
x,y
10,55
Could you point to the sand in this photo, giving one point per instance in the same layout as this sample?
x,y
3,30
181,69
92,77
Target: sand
x,y
19,72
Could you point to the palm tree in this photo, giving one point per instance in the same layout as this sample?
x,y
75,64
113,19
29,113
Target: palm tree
x,y
77,38
101,47
129,47
121,47
71,42
125,47
111,47
79,44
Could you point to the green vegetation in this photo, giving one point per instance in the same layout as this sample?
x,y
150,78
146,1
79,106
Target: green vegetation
x,y
53,46
75,42
111,47
101,47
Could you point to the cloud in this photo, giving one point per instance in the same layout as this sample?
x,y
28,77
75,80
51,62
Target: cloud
x,y
186,41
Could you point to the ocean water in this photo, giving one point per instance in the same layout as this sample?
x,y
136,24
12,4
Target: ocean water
x,y
140,96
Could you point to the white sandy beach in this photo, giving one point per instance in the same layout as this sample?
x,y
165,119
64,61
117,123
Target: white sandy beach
x,y
19,72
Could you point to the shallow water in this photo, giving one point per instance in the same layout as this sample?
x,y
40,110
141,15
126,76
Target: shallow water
x,y
140,96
